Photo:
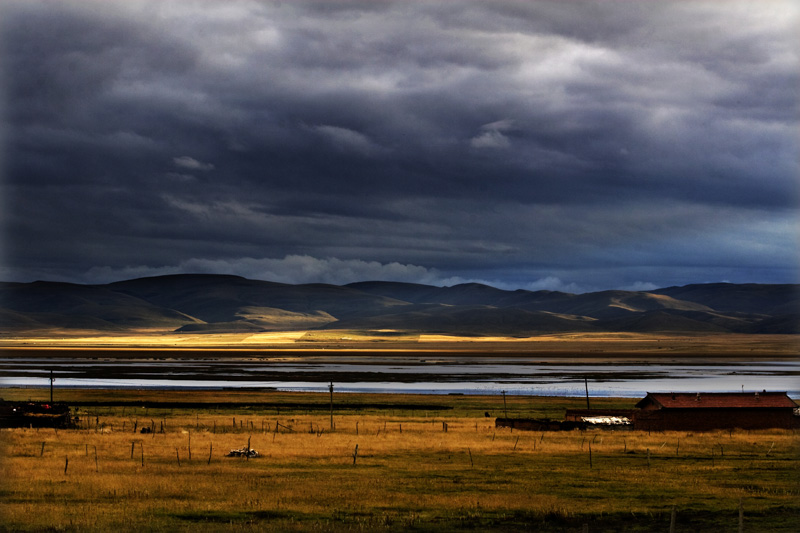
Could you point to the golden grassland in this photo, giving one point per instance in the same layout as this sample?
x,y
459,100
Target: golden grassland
x,y
420,469
597,345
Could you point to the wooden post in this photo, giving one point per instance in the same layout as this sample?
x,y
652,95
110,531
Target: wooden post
x,y
515,444
355,455
41,453
471,464
190,445
133,443
648,457
590,455
505,409
141,447
356,427
672,520
210,449
330,387
178,455
52,379
741,517
66,464
96,469
586,384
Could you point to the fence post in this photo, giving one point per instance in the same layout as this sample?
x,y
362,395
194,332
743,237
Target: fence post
x,y
330,387
741,517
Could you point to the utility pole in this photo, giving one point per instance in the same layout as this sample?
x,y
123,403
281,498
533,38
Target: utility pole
x,y
52,379
586,384
330,387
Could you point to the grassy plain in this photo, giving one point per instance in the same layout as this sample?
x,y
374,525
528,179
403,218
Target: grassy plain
x,y
424,463
558,345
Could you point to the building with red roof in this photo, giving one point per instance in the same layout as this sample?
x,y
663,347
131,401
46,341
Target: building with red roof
x,y
704,411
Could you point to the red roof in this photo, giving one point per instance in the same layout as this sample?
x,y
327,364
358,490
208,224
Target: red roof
x,y
705,400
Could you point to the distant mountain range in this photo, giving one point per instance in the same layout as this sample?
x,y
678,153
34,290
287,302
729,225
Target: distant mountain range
x,y
217,303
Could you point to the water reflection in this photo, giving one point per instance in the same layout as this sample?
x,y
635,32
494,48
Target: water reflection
x,y
440,376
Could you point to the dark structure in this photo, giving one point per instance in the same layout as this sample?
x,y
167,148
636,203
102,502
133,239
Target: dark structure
x,y
538,424
709,411
35,415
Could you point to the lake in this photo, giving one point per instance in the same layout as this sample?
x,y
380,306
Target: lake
x,y
417,373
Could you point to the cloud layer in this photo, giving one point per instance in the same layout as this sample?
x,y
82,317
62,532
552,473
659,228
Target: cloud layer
x,y
599,144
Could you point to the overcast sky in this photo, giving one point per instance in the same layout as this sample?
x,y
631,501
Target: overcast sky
x,y
540,145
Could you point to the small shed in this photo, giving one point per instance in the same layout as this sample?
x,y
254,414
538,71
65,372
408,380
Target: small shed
x,y
704,411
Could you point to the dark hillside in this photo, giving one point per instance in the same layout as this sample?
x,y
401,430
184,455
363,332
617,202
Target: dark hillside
x,y
215,304
69,305
749,298
222,298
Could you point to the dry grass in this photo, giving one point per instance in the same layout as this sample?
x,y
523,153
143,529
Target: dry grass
x,y
600,345
410,474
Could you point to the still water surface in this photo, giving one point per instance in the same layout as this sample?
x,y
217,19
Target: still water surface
x,y
442,375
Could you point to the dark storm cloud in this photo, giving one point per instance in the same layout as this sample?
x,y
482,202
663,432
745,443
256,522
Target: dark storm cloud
x,y
566,145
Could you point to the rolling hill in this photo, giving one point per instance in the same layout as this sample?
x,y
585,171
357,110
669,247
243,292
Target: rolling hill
x,y
205,303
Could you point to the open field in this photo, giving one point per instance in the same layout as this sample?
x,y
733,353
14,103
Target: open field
x,y
599,345
424,463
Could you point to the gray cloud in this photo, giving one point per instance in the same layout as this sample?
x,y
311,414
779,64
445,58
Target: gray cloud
x,y
190,163
598,144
